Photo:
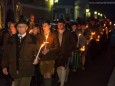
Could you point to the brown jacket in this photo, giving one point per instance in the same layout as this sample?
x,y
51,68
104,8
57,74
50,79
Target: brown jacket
x,y
53,46
26,67
68,44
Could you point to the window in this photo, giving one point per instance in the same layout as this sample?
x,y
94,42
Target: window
x,y
55,1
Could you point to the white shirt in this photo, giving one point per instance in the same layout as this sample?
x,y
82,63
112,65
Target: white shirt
x,y
22,36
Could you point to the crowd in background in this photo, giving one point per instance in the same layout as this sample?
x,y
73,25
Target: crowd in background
x,y
67,47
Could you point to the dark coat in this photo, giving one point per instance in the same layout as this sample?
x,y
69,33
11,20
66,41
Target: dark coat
x,y
53,46
67,46
26,67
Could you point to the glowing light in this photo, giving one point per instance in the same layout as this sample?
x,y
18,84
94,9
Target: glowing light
x,y
99,14
93,33
87,10
37,56
83,48
110,23
51,2
79,34
30,31
56,1
95,12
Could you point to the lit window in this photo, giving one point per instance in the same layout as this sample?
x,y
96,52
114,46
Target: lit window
x,y
56,1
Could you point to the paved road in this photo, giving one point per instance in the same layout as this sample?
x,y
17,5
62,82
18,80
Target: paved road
x,y
98,71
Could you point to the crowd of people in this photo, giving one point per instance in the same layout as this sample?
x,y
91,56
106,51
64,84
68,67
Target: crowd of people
x,y
29,50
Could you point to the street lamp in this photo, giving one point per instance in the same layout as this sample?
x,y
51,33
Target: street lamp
x,y
87,10
95,14
87,13
98,14
101,15
51,2
55,1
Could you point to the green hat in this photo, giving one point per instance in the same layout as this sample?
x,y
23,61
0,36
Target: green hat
x,y
23,21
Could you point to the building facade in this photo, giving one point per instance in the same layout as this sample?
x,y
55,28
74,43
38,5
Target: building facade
x,y
48,9
80,8
63,9
13,9
6,11
70,9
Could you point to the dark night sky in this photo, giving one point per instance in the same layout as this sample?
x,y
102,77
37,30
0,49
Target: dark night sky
x,y
107,9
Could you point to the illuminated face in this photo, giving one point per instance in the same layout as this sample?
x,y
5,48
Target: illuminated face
x,y
61,26
46,27
12,27
22,28
83,27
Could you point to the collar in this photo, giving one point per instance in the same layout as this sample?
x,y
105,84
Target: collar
x,y
23,35
61,31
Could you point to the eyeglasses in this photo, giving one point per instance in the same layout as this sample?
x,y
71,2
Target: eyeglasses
x,y
21,26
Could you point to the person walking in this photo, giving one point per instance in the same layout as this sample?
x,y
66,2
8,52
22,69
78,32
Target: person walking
x,y
18,56
48,52
67,44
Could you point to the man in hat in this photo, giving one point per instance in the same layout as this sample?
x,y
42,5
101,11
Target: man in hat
x,y
18,56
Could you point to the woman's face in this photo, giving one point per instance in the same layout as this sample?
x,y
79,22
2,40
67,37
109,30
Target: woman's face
x,y
74,27
35,30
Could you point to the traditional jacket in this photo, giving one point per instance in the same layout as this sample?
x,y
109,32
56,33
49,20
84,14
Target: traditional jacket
x,y
52,45
68,44
26,56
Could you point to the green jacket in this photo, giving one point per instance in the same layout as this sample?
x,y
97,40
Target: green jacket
x,y
26,67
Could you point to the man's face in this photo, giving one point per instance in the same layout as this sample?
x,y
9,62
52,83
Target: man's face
x,y
32,19
46,27
22,28
61,26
